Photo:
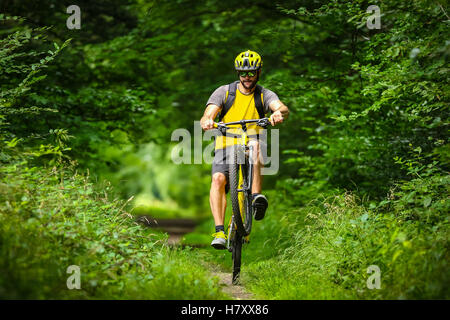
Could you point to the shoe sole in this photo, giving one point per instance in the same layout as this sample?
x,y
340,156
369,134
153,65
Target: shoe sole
x,y
260,206
218,246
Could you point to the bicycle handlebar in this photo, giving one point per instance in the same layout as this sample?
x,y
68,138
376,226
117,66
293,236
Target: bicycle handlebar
x,y
263,122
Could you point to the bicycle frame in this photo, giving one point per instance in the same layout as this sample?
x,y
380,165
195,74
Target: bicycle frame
x,y
246,152
239,227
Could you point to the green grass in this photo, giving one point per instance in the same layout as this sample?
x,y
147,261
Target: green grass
x,y
323,250
53,218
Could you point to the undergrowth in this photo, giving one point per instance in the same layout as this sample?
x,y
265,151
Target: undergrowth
x,y
53,217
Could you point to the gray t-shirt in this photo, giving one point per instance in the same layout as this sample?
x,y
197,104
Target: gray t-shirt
x,y
219,95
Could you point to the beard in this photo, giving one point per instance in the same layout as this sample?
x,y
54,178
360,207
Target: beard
x,y
249,85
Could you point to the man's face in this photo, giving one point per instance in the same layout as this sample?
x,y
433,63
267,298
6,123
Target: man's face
x,y
248,78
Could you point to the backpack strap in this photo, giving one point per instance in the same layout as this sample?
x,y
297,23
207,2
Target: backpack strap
x,y
229,100
231,96
258,101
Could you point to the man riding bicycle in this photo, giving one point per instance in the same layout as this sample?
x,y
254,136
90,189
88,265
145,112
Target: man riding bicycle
x,y
240,100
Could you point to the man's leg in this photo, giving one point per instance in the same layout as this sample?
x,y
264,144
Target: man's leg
x,y
218,198
218,203
259,202
257,178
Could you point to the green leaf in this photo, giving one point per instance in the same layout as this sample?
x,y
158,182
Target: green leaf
x,y
427,202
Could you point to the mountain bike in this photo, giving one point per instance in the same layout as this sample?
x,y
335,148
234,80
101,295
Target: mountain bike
x,y
240,180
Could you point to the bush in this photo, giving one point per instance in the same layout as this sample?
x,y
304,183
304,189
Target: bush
x,y
51,218
329,244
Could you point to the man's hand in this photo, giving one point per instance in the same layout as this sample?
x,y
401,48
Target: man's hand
x,y
277,117
280,112
207,124
207,121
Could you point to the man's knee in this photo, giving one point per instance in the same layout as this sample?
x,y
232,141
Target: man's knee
x,y
218,180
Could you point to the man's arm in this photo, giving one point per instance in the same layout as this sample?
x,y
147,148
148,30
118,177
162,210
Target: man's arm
x,y
207,121
280,112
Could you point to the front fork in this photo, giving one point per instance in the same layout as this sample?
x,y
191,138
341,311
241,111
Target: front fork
x,y
247,185
231,232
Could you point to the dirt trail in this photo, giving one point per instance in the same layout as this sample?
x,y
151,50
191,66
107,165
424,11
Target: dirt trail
x,y
237,292
176,228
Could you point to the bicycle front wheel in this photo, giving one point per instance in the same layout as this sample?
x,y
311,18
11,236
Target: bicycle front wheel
x,y
240,192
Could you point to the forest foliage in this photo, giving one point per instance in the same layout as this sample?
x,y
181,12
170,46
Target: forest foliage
x,y
87,114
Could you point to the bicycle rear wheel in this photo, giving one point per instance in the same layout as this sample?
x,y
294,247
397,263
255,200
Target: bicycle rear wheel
x,y
236,256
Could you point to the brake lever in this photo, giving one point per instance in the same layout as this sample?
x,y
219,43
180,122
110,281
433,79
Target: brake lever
x,y
263,123
222,128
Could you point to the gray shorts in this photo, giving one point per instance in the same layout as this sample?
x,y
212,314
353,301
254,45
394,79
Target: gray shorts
x,y
221,163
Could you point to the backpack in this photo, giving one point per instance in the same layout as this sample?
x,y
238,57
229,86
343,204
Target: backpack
x,y
231,96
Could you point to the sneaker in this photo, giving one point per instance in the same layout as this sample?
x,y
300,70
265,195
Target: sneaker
x,y
260,205
219,241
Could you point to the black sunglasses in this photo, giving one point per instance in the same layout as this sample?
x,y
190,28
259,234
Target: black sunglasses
x,y
245,73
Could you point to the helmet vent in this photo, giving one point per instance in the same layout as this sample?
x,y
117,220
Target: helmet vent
x,y
248,60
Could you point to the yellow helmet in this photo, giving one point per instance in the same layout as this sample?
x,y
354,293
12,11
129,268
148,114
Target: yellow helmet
x,y
247,60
